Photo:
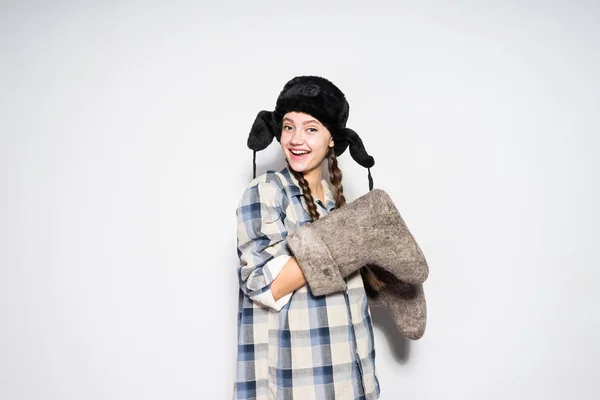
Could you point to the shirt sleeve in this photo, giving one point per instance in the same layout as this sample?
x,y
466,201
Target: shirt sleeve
x,y
261,242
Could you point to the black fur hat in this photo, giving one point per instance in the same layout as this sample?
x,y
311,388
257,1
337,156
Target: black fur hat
x,y
323,100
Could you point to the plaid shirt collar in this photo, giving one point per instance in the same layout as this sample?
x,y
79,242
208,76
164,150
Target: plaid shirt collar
x,y
292,186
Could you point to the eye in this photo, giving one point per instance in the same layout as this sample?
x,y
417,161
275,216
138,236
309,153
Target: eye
x,y
312,130
287,128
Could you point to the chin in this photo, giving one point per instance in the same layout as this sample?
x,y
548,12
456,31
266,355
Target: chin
x,y
298,166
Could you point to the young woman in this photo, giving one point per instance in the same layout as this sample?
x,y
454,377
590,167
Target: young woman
x,y
291,344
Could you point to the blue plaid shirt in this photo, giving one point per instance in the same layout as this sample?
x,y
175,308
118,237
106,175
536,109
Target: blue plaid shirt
x,y
301,347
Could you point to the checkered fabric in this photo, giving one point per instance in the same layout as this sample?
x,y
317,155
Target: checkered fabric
x,y
312,348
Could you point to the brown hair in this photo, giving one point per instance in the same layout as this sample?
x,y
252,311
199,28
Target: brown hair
x,y
335,177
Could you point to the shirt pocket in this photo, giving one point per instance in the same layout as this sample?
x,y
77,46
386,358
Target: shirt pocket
x,y
290,218
271,219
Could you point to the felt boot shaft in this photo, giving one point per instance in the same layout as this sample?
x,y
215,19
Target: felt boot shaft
x,y
368,230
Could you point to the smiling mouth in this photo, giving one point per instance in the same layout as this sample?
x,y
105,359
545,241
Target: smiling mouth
x,y
299,153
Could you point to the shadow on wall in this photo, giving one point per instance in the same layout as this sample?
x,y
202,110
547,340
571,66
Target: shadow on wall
x,y
399,345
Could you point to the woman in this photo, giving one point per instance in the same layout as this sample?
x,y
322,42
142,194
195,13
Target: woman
x,y
291,344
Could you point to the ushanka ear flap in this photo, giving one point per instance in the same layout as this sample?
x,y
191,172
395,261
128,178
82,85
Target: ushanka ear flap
x,y
358,152
340,144
261,135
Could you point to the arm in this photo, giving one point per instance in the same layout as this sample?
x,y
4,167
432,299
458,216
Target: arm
x,y
289,279
262,246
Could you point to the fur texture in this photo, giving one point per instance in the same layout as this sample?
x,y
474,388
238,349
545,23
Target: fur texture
x,y
323,100
357,149
320,270
261,134
368,230
315,96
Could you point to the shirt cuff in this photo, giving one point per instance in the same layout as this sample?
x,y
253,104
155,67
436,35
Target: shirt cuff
x,y
266,298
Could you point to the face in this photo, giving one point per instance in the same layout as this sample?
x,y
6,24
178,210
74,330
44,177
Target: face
x,y
305,141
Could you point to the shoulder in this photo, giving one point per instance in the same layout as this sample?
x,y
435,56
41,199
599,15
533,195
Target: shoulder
x,y
268,178
266,188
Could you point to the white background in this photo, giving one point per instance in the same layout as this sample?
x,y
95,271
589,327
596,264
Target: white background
x,y
123,129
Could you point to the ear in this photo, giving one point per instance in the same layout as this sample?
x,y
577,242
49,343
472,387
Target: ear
x,y
262,132
340,145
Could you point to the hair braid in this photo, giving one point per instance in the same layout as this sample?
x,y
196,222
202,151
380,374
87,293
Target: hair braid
x,y
306,193
335,177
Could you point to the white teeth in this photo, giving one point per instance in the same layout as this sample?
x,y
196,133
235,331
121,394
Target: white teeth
x,y
299,152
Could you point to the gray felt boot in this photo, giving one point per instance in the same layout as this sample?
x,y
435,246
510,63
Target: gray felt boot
x,y
405,302
368,230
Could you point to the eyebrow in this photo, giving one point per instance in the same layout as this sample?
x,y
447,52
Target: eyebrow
x,y
310,121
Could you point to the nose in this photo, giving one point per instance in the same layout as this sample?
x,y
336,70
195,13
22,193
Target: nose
x,y
297,137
